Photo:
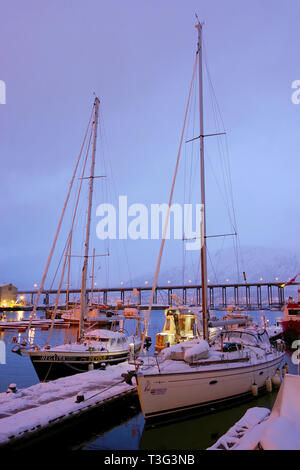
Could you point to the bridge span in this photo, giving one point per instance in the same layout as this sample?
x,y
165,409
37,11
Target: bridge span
x,y
258,295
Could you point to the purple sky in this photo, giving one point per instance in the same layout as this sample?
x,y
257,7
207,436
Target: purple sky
x,y
137,56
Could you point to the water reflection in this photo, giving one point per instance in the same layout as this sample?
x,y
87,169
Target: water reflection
x,y
198,432
31,335
20,315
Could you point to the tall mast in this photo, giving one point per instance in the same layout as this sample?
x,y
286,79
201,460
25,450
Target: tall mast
x,y
69,268
83,303
92,289
203,222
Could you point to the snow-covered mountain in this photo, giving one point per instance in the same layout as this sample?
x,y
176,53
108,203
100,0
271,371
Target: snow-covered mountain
x,y
259,263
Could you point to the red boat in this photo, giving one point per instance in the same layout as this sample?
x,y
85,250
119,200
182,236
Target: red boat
x,y
291,320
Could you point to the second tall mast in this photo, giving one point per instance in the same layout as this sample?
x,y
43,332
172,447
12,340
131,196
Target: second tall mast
x,y
83,302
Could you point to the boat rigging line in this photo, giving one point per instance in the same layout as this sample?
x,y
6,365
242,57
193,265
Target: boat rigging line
x,y
41,287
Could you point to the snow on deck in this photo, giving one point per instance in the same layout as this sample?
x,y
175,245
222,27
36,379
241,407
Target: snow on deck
x,y
38,406
214,361
274,331
232,439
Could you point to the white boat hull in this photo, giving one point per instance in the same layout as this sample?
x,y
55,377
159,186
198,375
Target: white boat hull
x,y
162,394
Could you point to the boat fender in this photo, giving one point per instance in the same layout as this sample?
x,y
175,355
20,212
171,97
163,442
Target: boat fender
x,y
12,388
128,377
79,397
280,345
276,379
269,384
91,366
254,389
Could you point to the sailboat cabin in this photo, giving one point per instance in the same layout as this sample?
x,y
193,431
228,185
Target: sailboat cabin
x,y
180,325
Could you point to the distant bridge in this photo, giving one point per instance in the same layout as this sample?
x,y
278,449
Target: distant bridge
x,y
247,295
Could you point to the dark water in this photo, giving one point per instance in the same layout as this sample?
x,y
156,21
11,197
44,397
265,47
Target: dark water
x,y
196,432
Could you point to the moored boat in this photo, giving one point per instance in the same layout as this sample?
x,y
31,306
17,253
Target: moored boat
x,y
97,349
194,374
291,320
199,373
94,348
94,316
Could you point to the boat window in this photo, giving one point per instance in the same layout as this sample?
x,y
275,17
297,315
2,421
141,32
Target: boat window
x,y
171,311
182,323
264,337
185,311
294,311
96,338
240,337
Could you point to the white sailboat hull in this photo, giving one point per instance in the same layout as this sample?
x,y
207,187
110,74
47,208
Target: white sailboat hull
x,y
162,394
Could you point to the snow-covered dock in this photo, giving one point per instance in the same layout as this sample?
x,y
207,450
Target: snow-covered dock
x,y
27,412
260,429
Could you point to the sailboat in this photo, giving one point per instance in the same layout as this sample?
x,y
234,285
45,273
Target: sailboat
x,y
200,373
95,348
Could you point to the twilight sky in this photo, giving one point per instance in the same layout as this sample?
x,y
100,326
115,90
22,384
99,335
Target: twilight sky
x,y
137,56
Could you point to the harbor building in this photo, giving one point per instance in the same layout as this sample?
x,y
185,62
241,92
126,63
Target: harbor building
x,y
8,295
